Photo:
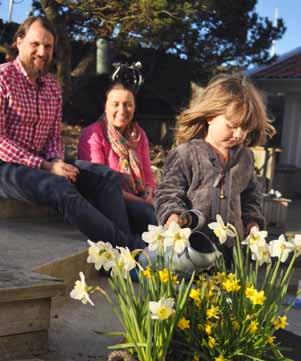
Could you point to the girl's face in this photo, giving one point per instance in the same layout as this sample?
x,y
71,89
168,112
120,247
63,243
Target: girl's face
x,y
120,108
224,134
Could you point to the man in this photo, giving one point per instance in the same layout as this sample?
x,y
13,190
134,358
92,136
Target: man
x,y
31,154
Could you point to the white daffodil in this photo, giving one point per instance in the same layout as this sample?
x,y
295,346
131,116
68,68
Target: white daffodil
x,y
125,260
80,290
102,254
296,241
281,248
261,252
177,237
154,237
255,237
162,309
220,230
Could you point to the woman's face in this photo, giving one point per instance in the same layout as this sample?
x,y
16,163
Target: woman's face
x,y
120,108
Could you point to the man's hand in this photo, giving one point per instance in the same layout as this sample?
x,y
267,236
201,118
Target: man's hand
x,y
61,168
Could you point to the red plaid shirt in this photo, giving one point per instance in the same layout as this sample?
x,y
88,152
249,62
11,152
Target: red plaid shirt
x,y
30,117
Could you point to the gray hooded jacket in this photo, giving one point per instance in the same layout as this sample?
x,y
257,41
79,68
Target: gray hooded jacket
x,y
194,178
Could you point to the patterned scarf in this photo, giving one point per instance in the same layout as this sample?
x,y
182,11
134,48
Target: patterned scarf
x,y
124,145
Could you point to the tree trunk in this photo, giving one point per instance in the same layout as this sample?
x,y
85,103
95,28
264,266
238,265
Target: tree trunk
x,y
63,48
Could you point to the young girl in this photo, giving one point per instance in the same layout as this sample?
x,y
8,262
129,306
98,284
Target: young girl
x,y
212,170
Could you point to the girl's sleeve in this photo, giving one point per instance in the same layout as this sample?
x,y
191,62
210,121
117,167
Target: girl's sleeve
x,y
90,146
171,193
146,164
251,202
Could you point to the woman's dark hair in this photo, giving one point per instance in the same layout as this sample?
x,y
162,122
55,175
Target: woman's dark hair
x,y
24,27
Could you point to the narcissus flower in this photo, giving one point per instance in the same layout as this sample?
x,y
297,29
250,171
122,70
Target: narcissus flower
x,y
281,248
80,290
162,309
183,324
256,297
231,283
253,326
221,230
271,340
102,254
164,275
125,260
177,237
212,312
280,322
219,358
212,342
154,237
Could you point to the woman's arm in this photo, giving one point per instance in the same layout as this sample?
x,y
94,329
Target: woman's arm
x,y
90,145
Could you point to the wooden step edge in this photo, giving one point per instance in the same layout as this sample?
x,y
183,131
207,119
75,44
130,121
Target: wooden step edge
x,y
68,268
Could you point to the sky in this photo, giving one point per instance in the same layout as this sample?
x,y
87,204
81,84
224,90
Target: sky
x,y
289,10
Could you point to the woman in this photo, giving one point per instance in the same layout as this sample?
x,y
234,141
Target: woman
x,y
121,144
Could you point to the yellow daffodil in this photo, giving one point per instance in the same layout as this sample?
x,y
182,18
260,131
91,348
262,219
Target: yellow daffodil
x,y
271,340
212,342
147,273
235,325
195,294
219,358
162,309
253,326
208,328
231,284
164,275
196,357
219,278
280,322
212,312
256,297
183,324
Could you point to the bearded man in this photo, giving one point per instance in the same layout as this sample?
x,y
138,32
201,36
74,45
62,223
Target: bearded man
x,y
31,152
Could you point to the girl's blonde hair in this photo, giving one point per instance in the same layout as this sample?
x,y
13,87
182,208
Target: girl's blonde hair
x,y
236,98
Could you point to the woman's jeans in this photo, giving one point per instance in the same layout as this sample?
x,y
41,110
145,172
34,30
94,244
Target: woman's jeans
x,y
94,203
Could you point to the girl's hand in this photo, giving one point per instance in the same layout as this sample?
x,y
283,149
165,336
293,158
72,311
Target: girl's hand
x,y
173,218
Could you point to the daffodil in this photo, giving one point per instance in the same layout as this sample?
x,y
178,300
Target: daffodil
x,y
162,309
219,278
212,342
183,324
281,248
271,340
253,326
125,260
164,275
177,237
221,230
154,237
212,312
256,297
196,357
280,322
102,254
80,290
208,328
220,358
235,325
147,273
231,283
195,294
255,237
296,241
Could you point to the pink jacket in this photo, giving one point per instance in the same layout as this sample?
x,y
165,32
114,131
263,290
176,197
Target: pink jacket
x,y
96,148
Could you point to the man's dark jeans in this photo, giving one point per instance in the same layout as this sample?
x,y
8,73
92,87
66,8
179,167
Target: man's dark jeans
x,y
94,203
